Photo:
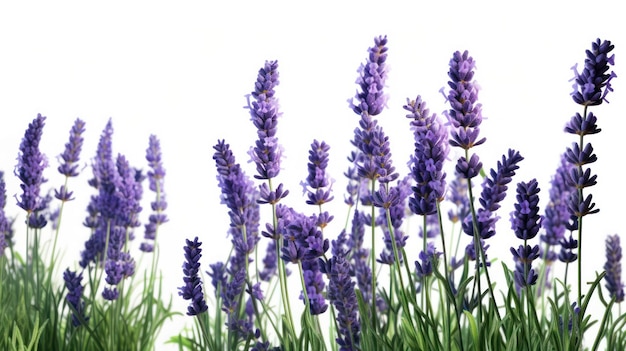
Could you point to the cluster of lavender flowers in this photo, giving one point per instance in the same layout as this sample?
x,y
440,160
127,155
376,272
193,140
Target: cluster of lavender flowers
x,y
112,214
382,199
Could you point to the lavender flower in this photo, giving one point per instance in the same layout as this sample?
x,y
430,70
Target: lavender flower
x,y
156,183
426,163
458,196
317,179
342,295
494,191
31,163
524,274
264,114
75,296
465,114
525,220
372,75
428,260
392,199
613,268
241,198
72,150
314,282
192,290
556,215
4,222
594,83
568,245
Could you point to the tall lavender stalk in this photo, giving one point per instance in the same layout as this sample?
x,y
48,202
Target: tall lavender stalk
x,y
591,88
373,160
266,154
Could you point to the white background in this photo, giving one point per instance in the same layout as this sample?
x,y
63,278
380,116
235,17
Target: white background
x,y
182,70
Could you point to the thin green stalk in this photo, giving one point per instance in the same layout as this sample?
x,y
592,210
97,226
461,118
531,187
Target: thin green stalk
x,y
373,260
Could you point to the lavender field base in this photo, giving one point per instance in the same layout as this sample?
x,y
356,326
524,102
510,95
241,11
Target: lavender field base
x,y
208,177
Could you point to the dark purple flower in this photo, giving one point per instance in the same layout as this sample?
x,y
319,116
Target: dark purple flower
x,y
31,163
75,296
493,192
264,113
594,82
568,245
73,147
342,295
192,290
582,126
431,150
524,256
371,100
156,174
465,114
428,260
525,220
613,268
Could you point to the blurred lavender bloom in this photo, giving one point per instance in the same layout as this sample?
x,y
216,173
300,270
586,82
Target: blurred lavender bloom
x,y
359,255
395,201
129,192
270,263
431,150
156,176
29,170
264,114
218,277
192,290
317,180
241,198
73,284
71,155
613,268
428,260
458,196
314,282
371,100
556,215
568,245
342,295
594,82
4,222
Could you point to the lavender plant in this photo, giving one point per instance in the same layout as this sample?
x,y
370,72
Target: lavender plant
x,y
97,304
434,296
290,281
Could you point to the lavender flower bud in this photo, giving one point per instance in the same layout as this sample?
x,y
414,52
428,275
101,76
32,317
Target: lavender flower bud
x,y
31,163
72,150
192,290
593,83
